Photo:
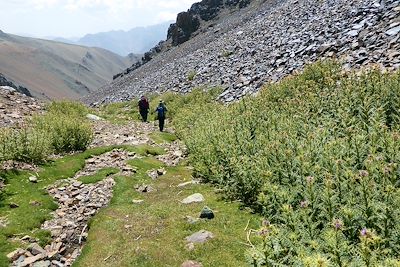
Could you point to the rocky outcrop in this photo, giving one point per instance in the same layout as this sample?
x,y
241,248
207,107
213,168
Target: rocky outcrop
x,y
268,42
5,82
187,23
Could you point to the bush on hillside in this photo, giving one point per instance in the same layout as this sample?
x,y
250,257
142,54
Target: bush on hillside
x,y
67,108
67,133
24,145
318,155
175,102
62,129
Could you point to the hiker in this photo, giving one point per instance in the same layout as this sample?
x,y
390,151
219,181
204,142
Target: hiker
x,y
144,108
161,111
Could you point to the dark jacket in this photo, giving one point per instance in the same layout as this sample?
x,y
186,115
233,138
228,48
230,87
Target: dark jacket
x,y
143,105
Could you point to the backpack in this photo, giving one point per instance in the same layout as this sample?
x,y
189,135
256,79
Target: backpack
x,y
161,111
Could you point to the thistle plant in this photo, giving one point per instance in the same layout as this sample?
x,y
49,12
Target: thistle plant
x,y
316,148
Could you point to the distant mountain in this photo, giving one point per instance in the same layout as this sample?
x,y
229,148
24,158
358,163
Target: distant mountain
x,y
56,70
137,40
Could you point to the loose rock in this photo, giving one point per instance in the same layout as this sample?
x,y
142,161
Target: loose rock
x,y
207,213
33,179
191,264
200,237
195,198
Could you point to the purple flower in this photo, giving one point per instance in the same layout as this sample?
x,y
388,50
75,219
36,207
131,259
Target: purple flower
x,y
304,204
310,179
266,223
364,173
364,232
338,224
264,232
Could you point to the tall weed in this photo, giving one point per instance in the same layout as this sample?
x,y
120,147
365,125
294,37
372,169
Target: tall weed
x,y
67,133
318,155
62,129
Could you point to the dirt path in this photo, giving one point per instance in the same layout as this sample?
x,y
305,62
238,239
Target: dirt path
x,y
79,201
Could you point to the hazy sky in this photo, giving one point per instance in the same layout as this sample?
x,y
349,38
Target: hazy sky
x,y
75,18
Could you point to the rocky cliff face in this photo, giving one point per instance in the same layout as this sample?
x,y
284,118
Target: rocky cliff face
x,y
267,41
187,24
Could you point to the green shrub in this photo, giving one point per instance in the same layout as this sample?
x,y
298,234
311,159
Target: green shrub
x,y
24,145
191,75
67,108
62,129
177,103
67,133
318,154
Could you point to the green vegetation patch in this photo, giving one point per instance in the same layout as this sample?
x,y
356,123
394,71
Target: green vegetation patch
x,y
153,233
163,137
34,203
99,176
68,108
62,129
318,156
146,150
120,113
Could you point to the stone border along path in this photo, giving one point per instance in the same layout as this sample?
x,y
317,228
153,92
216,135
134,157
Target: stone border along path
x,y
79,202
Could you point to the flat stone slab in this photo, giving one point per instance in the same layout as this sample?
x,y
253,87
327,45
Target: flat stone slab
x,y
191,264
93,117
195,198
201,236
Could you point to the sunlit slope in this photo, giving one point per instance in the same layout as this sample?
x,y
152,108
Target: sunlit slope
x,y
57,70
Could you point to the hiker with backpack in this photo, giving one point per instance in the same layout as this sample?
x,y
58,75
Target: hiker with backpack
x,y
143,108
161,112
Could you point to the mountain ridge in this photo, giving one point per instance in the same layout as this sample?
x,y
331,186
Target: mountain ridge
x,y
137,40
53,70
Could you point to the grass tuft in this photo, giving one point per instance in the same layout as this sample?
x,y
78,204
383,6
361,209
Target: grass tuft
x,y
99,176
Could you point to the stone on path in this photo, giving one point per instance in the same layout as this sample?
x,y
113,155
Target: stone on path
x,y
152,174
28,261
195,198
33,179
191,264
35,249
200,237
13,256
137,201
161,171
42,264
93,117
144,188
13,205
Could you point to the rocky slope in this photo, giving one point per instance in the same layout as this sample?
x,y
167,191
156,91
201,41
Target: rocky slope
x,y
266,41
56,70
15,107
